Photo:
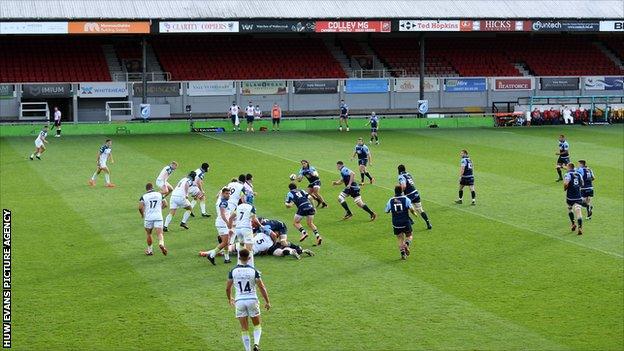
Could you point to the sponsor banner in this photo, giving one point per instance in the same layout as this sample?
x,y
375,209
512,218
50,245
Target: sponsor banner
x,y
604,83
211,88
316,86
7,91
612,26
109,27
465,85
512,83
263,87
366,86
102,90
36,91
198,27
562,83
412,85
435,26
266,26
353,26
565,26
157,89
501,26
33,27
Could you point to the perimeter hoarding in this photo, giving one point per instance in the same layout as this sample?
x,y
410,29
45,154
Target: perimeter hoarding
x,y
412,85
353,26
157,89
33,28
198,27
40,91
264,87
316,86
603,83
102,90
511,83
211,88
109,27
277,26
458,85
366,86
559,83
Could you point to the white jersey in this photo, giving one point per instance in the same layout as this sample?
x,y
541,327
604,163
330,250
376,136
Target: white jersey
x,y
262,242
165,173
244,278
234,110
105,150
57,115
181,189
249,110
244,212
200,175
152,204
236,191
221,203
42,135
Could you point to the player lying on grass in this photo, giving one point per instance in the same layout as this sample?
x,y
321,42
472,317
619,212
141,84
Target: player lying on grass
x,y
197,190
352,189
572,184
244,278
179,199
151,205
104,154
274,228
40,143
265,244
314,186
301,199
400,207
162,181
223,226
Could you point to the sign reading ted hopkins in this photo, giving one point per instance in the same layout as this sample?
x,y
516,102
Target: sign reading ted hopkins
x,y
36,91
316,86
267,26
512,84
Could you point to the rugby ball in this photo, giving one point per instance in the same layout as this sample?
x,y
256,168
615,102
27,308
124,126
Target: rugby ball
x,y
293,176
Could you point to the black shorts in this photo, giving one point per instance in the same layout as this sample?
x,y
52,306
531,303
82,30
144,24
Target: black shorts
x,y
250,119
314,183
563,160
373,129
272,249
414,197
233,118
310,211
344,116
573,202
466,181
353,192
403,229
587,192
276,120
57,123
362,161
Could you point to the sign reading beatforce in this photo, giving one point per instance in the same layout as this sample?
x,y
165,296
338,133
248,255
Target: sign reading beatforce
x,y
465,85
316,86
198,27
366,86
264,87
512,84
604,83
211,88
157,89
36,91
102,90
563,83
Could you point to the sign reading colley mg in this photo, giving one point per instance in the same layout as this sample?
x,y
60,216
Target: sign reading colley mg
x,y
36,91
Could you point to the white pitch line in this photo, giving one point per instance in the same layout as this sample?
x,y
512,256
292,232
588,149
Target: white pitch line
x,y
614,254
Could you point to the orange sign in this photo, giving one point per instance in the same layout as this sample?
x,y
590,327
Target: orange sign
x,y
108,27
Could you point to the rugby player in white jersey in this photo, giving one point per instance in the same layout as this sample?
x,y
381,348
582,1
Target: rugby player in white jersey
x,y
179,199
151,205
197,190
245,215
250,116
104,154
233,114
162,182
237,192
40,143
244,278
224,229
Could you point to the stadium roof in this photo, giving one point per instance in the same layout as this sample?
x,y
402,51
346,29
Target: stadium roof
x,y
226,9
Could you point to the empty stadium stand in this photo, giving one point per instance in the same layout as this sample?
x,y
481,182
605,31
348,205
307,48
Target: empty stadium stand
x,y
57,60
245,57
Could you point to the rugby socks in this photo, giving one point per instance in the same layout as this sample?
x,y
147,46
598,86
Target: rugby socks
x,y
376,138
303,231
408,242
367,175
316,233
571,215
168,220
226,254
193,203
58,132
246,340
202,206
212,253
372,138
365,208
346,207
559,173
94,176
580,222
473,194
461,194
107,178
149,248
362,176
257,333
425,217
186,216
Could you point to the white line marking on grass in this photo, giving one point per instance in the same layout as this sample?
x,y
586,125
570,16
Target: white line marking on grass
x,y
614,254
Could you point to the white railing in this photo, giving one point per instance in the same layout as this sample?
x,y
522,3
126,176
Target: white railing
x,y
32,111
114,106
138,76
378,73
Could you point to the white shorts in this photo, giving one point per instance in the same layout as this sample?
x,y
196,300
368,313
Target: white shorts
x,y
244,235
179,201
39,143
247,308
194,191
149,224
103,164
222,230
161,183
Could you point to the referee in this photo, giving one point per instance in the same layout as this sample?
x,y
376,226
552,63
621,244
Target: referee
x,y
57,121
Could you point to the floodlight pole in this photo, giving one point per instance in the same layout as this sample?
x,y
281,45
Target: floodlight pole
x,y
144,64
422,66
